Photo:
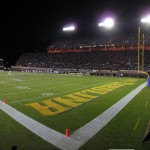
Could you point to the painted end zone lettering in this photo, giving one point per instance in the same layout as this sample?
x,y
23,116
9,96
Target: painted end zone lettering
x,y
60,104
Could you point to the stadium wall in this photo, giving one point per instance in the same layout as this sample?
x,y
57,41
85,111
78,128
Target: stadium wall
x,y
119,73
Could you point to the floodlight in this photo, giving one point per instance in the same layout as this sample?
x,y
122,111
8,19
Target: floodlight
x,y
108,23
70,28
146,19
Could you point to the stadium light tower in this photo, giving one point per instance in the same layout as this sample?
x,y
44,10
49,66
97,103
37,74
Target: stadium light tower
x,y
108,23
147,21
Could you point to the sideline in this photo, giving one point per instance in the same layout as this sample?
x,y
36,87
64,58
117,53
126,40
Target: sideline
x,y
79,137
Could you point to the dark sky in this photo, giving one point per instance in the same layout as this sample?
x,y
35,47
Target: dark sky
x,y
28,26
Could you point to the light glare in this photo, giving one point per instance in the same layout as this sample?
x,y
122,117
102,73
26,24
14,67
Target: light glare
x,y
146,20
109,22
71,28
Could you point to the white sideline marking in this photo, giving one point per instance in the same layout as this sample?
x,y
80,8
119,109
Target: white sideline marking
x,y
46,133
90,129
79,137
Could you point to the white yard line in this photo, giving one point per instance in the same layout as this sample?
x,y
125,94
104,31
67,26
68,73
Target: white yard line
x,y
79,137
31,99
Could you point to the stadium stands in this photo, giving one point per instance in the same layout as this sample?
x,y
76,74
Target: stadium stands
x,y
109,53
99,43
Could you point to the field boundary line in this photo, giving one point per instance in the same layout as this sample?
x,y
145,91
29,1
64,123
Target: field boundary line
x,y
54,137
86,132
79,137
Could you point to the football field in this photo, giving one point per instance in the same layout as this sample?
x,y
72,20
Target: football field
x,y
63,102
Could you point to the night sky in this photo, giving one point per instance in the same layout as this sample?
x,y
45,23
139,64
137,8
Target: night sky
x,y
29,26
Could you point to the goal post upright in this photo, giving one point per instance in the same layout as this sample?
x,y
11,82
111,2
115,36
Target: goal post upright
x,y
139,49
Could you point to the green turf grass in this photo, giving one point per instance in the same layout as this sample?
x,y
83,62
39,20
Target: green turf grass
x,y
14,134
23,88
122,132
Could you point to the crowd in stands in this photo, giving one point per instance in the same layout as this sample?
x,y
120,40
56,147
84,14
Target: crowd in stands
x,y
98,41
100,59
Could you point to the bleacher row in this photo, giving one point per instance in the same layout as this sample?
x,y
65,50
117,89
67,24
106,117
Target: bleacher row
x,y
116,59
95,60
98,42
